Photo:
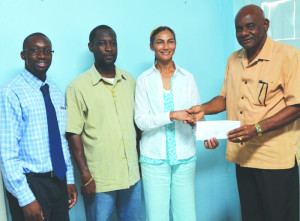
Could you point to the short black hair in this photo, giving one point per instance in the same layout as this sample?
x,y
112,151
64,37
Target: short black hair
x,y
98,28
33,35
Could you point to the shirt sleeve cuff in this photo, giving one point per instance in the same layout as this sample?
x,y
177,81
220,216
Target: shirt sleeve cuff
x,y
165,118
25,196
73,130
291,102
70,177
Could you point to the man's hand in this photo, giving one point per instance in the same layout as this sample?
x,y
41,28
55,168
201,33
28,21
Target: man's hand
x,y
33,212
211,143
242,134
197,113
181,115
72,192
90,189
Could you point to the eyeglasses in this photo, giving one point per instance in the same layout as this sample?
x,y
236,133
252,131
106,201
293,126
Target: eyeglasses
x,y
263,91
37,51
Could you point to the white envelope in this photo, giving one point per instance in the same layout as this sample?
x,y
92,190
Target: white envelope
x,y
218,129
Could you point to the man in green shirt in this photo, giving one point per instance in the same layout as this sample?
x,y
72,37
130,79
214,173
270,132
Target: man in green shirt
x,y
101,133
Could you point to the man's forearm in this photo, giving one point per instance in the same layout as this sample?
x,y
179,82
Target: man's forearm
x,y
282,118
76,147
215,105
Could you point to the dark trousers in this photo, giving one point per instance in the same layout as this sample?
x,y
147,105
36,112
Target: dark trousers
x,y
51,194
268,195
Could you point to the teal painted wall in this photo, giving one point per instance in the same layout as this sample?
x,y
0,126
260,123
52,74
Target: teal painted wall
x,y
205,38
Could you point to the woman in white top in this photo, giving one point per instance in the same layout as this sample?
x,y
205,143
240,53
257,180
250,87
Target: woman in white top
x,y
168,149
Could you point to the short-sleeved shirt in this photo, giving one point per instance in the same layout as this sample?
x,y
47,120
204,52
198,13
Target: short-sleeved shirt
x,y
102,113
257,91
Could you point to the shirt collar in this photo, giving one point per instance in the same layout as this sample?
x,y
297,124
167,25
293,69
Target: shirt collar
x,y
96,77
178,70
32,80
264,54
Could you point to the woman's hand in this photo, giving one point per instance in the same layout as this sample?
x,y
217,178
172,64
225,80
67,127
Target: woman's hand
x,y
182,115
211,143
197,112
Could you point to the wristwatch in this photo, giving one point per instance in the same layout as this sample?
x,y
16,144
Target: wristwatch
x,y
258,129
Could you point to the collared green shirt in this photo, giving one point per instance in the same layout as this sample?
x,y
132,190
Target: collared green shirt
x,y
102,113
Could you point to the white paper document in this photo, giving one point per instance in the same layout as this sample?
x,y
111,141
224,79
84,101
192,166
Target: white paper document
x,y
218,129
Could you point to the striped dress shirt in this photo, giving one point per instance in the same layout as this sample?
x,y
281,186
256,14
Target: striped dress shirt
x,y
24,142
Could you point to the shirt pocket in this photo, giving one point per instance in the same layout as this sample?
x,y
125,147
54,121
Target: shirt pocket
x,y
261,93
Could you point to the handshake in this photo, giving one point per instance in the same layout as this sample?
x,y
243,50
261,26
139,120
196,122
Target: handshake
x,y
190,116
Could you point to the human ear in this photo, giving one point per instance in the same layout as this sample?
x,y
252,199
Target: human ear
x,y
151,47
266,24
90,45
22,55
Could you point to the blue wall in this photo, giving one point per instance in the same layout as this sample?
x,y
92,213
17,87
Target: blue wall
x,y
205,38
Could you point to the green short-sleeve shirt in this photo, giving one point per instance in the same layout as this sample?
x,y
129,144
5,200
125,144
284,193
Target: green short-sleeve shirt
x,y
102,113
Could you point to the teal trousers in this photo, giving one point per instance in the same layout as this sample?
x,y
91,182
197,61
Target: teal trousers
x,y
168,187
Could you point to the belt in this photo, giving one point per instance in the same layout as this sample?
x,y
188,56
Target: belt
x,y
48,174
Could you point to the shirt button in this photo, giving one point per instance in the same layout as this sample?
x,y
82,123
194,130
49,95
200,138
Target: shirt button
x,y
241,112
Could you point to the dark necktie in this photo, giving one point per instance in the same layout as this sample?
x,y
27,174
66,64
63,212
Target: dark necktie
x,y
57,157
